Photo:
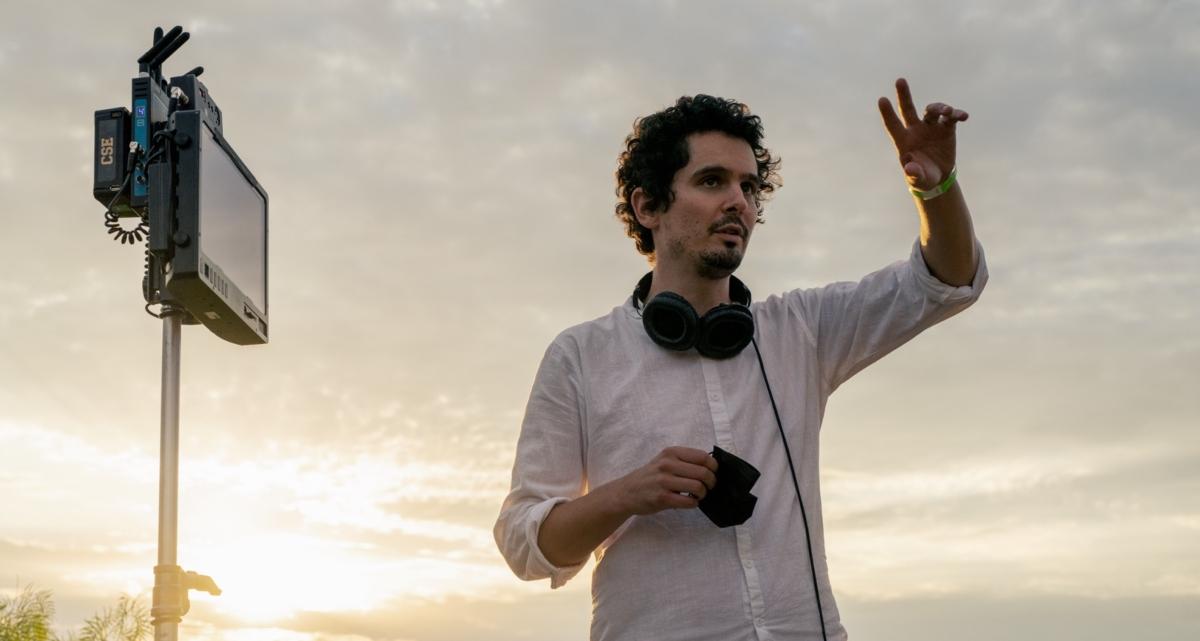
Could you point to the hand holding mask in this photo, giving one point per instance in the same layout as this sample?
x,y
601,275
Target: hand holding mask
x,y
730,502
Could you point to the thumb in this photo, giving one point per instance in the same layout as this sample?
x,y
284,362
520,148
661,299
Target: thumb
x,y
915,172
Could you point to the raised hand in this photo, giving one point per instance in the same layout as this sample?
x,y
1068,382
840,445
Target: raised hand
x,y
925,144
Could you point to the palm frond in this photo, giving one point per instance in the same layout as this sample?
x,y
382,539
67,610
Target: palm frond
x,y
128,620
26,616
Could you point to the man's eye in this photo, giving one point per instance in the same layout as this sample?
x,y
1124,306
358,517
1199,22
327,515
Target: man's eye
x,y
710,181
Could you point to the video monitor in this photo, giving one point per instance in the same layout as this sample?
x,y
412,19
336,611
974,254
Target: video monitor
x,y
219,269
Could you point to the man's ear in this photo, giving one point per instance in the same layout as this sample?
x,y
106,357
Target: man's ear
x,y
647,217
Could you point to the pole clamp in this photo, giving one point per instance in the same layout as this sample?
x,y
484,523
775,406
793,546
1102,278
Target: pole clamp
x,y
171,584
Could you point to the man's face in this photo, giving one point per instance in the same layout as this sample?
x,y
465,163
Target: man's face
x,y
708,225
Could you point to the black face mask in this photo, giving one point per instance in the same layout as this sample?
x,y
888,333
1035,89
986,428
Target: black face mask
x,y
673,323
730,501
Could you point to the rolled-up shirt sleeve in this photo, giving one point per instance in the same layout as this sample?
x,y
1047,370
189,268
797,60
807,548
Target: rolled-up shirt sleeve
x,y
858,323
549,467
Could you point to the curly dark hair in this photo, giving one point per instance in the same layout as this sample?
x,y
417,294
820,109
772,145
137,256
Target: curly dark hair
x,y
658,148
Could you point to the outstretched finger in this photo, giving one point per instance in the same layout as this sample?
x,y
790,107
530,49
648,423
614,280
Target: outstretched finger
x,y
891,121
904,98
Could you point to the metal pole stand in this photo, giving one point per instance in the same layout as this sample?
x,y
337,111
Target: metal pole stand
x,y
171,583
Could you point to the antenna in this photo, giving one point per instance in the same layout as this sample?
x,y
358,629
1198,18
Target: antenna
x,y
171,48
160,43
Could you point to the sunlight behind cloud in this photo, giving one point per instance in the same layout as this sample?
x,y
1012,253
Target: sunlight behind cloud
x,y
270,577
203,632
238,516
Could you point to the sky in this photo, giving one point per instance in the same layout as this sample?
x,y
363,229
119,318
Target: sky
x,y
441,189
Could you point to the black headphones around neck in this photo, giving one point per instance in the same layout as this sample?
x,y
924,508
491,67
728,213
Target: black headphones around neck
x,y
673,323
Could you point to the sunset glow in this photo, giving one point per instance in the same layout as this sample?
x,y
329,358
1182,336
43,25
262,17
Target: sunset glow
x,y
441,191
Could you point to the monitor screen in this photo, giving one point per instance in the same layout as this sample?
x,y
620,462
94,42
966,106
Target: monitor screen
x,y
233,227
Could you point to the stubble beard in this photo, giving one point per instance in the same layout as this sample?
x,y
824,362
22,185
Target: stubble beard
x,y
713,264
717,264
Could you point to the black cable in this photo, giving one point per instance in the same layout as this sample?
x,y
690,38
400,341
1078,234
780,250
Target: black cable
x,y
120,190
122,235
812,561
111,218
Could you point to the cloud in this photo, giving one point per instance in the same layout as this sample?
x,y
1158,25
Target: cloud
x,y
1040,616
441,189
1014,525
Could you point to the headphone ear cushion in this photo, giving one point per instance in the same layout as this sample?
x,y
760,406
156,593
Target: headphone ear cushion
x,y
725,331
671,321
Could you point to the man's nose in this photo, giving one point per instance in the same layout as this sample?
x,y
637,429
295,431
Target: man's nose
x,y
739,202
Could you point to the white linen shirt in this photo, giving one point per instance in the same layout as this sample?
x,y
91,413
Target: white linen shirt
x,y
606,400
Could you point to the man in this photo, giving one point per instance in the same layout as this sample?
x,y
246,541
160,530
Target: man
x,y
616,449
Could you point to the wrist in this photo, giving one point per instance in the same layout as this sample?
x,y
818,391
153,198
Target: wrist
x,y
937,190
615,504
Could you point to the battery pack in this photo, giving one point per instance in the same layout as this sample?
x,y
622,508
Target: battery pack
x,y
111,160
